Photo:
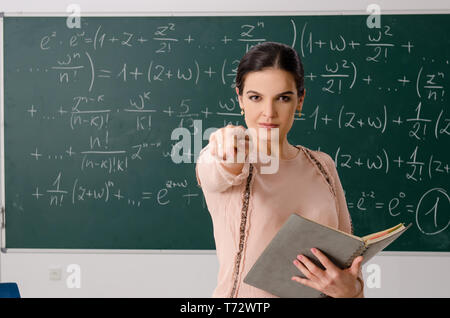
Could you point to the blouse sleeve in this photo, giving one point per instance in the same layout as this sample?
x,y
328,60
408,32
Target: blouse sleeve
x,y
213,177
345,222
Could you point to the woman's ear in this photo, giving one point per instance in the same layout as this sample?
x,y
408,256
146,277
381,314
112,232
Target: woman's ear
x,y
237,93
301,99
239,97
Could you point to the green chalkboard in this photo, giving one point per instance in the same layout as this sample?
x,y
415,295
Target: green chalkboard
x,y
89,114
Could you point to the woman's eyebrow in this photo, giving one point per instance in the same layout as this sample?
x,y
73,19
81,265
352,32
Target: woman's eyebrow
x,y
284,93
287,93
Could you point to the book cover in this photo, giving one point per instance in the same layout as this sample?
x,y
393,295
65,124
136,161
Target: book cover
x,y
274,268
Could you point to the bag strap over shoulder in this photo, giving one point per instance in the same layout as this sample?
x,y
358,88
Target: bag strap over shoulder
x,y
326,176
319,165
237,262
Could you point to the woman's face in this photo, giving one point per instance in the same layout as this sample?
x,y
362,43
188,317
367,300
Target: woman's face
x,y
270,97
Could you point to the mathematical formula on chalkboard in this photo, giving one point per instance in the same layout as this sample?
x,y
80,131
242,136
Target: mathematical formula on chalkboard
x,y
89,113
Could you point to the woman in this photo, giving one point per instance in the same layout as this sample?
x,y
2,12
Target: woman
x,y
269,85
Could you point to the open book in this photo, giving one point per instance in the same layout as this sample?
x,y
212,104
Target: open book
x,y
274,268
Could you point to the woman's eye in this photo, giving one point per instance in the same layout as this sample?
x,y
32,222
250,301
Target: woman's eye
x,y
254,98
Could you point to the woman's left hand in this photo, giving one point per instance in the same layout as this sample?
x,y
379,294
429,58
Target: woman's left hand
x,y
332,281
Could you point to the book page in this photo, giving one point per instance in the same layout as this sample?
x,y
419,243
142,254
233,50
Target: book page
x,y
376,237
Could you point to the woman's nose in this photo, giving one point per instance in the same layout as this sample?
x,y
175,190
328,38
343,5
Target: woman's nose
x,y
269,109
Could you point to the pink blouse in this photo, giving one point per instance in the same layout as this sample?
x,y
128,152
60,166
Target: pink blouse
x,y
297,187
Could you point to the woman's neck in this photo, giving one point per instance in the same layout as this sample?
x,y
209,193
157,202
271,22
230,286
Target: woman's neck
x,y
285,150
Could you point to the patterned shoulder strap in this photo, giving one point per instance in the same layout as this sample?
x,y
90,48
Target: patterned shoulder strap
x,y
325,174
237,262
321,168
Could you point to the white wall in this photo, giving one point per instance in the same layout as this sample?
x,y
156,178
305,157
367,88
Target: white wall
x,y
191,276
194,275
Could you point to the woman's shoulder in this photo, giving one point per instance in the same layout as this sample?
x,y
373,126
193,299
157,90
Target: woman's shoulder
x,y
324,164
318,155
